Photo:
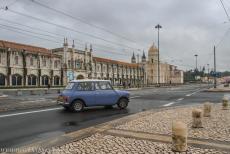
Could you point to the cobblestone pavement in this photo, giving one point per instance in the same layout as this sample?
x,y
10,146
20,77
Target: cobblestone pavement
x,y
156,122
104,144
215,127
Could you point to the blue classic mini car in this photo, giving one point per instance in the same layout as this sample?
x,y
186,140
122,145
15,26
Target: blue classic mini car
x,y
86,93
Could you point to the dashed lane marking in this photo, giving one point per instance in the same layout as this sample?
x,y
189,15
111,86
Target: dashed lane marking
x,y
30,112
193,93
180,99
169,104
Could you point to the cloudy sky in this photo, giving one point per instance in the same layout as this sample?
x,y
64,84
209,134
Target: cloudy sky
x,y
117,28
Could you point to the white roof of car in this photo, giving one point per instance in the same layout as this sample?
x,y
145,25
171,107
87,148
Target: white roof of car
x,y
89,80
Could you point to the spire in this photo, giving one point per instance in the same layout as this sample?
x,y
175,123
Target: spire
x,y
73,46
65,42
143,57
91,48
86,47
133,59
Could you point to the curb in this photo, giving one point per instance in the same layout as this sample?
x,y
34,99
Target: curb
x,y
217,90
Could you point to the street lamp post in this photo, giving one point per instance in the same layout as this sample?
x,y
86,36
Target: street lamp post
x,y
158,62
196,60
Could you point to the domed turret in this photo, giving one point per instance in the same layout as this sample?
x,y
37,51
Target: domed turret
x,y
153,54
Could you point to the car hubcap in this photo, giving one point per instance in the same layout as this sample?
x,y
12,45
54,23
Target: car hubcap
x,y
123,104
78,106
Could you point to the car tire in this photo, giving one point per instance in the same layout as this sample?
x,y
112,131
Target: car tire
x,y
122,103
77,106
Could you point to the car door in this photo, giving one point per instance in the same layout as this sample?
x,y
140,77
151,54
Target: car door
x,y
105,95
85,91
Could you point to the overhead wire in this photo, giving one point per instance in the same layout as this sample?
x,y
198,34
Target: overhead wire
x,y
68,28
225,10
81,20
25,32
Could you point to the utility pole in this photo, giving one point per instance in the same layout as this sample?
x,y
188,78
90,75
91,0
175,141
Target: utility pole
x,y
196,69
215,66
138,73
158,62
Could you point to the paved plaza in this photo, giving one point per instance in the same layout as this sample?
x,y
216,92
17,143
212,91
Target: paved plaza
x,y
150,132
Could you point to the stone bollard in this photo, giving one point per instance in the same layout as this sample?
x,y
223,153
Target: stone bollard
x,y
207,109
225,103
197,118
179,136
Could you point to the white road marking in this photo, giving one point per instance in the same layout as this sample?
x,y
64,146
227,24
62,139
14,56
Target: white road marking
x,y
180,99
135,97
30,112
3,96
193,93
169,104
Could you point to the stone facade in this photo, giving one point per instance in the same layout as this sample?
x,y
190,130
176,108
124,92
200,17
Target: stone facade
x,y
168,73
25,65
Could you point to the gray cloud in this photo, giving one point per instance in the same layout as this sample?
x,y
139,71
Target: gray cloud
x,y
189,27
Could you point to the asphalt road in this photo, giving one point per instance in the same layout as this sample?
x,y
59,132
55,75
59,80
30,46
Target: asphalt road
x,y
23,127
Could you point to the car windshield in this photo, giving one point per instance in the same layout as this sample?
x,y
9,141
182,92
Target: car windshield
x,y
69,86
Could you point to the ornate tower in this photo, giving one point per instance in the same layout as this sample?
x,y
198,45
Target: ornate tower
x,y
143,58
133,59
153,54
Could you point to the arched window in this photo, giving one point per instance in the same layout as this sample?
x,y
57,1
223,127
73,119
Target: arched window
x,y
56,80
16,80
32,80
45,80
2,79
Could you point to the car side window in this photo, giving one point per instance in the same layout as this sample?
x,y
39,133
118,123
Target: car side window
x,y
97,86
85,86
103,86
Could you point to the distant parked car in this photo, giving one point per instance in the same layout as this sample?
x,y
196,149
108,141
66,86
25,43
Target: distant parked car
x,y
86,93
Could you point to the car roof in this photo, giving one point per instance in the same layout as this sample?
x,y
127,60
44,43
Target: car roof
x,y
90,80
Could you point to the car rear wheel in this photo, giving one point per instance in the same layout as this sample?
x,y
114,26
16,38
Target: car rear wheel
x,y
122,103
77,106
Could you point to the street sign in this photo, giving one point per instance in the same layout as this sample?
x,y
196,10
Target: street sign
x,y
70,75
215,74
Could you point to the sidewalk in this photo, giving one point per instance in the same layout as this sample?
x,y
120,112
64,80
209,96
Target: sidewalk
x,y
219,88
146,132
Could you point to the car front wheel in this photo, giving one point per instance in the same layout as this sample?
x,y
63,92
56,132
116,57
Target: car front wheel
x,y
77,106
122,103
